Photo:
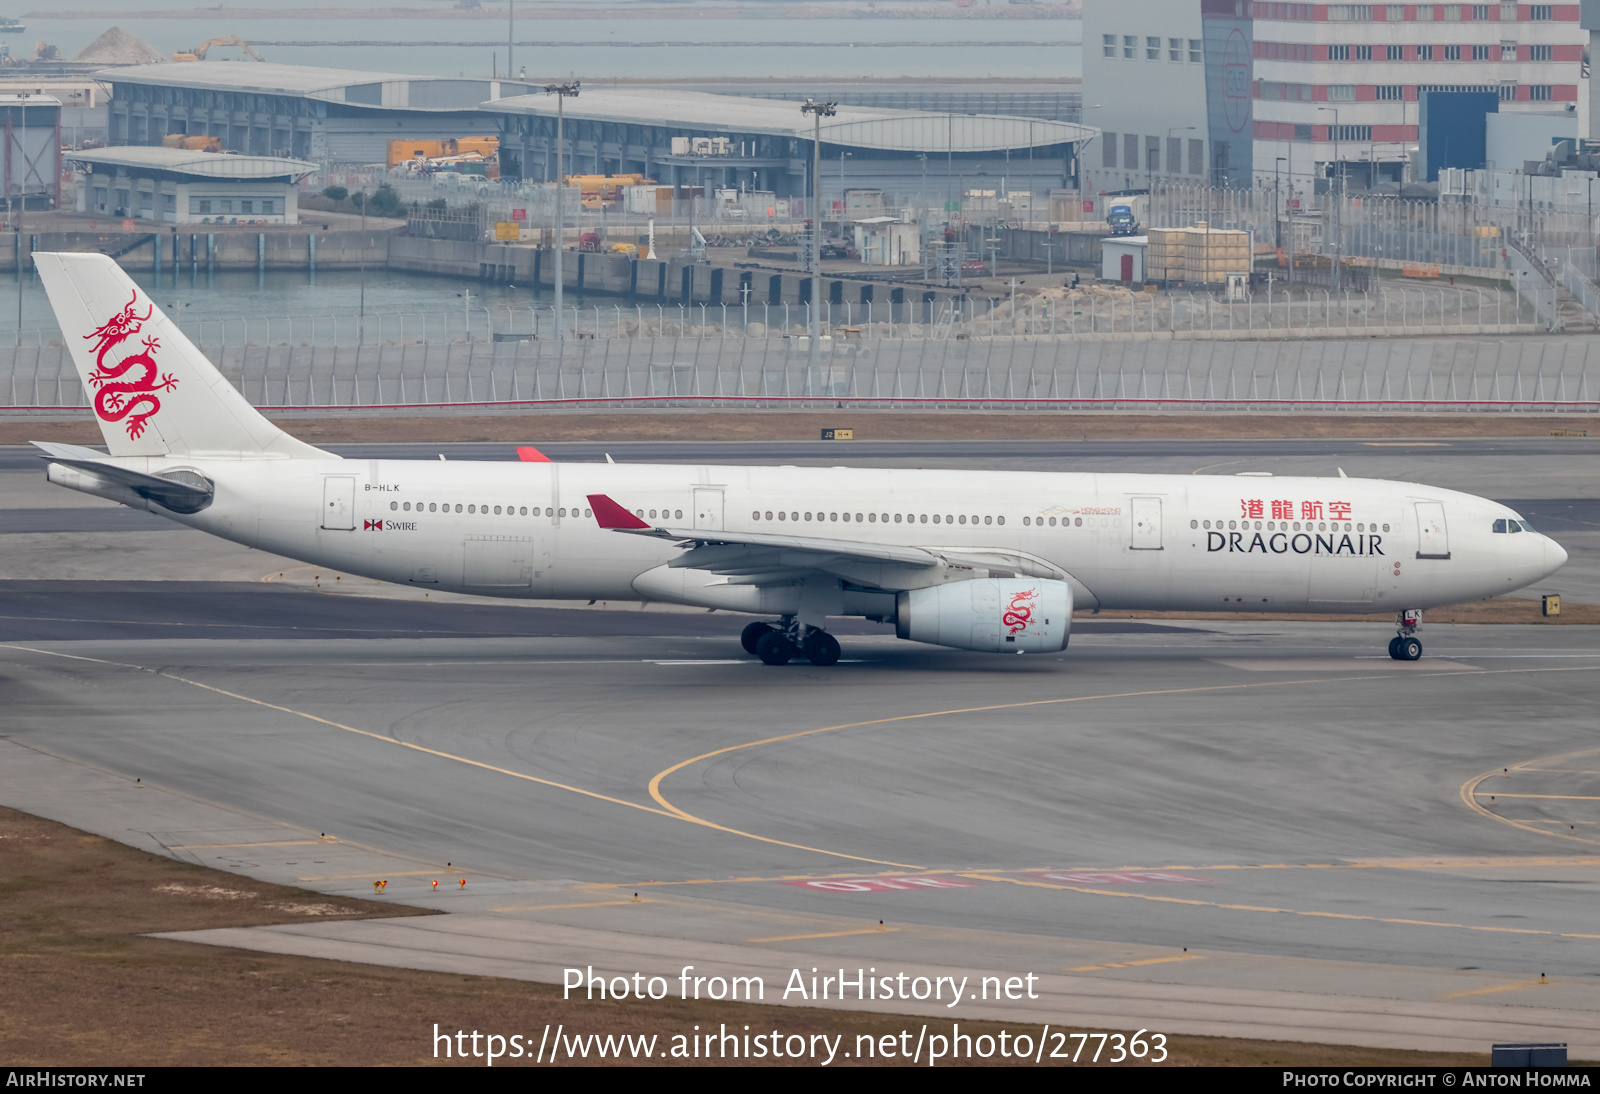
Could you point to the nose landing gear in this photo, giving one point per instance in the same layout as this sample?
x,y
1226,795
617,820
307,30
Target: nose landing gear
x,y
1406,646
778,642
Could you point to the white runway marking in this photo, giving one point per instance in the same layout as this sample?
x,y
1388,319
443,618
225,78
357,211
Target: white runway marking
x,y
1312,664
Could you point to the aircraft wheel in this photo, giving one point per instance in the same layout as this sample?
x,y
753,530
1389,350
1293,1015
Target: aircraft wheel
x,y
1408,649
822,648
774,649
1394,647
752,634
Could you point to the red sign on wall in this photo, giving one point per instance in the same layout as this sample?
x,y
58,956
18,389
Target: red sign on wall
x,y
519,214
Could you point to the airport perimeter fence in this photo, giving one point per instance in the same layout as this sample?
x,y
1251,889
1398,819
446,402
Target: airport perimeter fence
x,y
1089,313
1522,374
1579,272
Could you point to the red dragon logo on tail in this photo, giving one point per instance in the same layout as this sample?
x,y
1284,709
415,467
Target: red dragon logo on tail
x,y
118,394
1019,613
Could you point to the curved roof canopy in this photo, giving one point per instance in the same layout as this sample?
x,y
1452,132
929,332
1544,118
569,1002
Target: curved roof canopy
x,y
701,113
182,161
393,90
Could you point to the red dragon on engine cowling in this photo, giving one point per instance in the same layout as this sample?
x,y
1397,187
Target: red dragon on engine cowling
x,y
118,394
1019,613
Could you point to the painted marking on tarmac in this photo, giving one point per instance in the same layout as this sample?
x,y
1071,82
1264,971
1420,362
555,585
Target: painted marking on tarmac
x,y
1406,444
553,907
1492,991
1399,864
1283,911
674,811
369,874
1128,877
360,732
1139,964
1314,664
1470,793
1557,797
922,882
273,843
655,781
826,934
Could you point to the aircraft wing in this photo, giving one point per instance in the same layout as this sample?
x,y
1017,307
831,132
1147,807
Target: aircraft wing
x,y
766,558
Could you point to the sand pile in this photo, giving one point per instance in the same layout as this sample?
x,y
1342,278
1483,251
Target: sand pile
x,y
117,47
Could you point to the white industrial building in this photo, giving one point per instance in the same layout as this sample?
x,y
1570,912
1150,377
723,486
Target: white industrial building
x,y
32,160
888,241
1305,85
177,186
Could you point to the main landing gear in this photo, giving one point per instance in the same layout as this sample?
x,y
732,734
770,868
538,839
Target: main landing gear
x,y
776,643
1406,646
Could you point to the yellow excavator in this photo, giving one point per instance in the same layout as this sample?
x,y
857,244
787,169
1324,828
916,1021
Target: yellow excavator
x,y
198,53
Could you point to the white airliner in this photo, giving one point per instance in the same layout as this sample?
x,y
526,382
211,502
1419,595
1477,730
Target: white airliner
x,y
978,560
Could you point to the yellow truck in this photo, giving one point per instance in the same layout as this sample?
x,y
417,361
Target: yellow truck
x,y
193,144
429,149
598,192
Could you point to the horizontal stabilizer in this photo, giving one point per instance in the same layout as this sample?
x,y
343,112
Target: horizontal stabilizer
x,y
179,491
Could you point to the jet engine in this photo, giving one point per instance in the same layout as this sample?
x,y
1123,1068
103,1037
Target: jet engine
x,y
995,615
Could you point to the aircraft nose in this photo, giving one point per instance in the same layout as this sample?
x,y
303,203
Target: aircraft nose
x,y
1555,555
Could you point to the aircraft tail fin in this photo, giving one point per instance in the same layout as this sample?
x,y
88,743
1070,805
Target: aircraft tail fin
x,y
152,391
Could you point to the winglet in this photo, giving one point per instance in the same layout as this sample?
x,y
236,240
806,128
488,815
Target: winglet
x,y
608,514
529,454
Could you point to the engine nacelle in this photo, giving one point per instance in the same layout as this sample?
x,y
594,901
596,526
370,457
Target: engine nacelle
x,y
996,615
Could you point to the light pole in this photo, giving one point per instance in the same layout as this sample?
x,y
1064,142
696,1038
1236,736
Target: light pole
x,y
1338,179
1080,150
1277,197
361,251
818,111
22,210
843,155
1279,211
561,92
922,191
1171,170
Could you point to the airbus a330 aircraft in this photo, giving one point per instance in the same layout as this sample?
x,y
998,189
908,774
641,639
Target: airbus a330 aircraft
x,y
978,560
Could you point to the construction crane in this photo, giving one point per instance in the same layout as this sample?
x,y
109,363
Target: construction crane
x,y
198,53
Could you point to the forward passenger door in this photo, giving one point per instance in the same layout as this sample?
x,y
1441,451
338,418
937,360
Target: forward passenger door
x,y
1433,535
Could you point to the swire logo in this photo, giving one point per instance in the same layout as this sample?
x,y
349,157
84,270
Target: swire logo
x,y
372,526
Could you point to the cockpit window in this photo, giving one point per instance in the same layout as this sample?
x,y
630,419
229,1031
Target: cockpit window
x,y
1512,526
1526,527
1499,526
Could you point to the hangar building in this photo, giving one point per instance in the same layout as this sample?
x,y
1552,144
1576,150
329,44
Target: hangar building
x,y
692,138
320,114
